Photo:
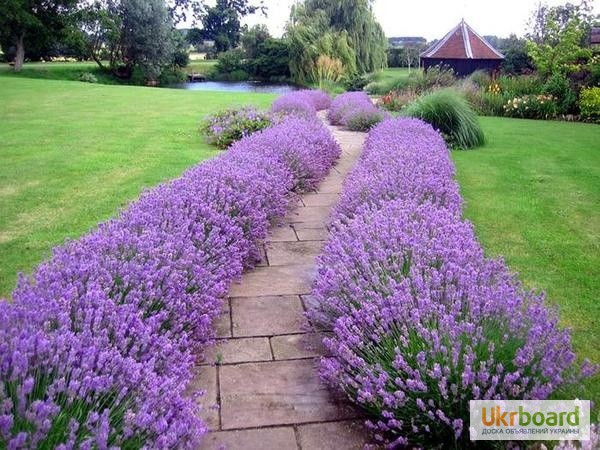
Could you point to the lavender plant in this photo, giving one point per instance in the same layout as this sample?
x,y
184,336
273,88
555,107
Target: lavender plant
x,y
422,322
356,111
225,127
96,349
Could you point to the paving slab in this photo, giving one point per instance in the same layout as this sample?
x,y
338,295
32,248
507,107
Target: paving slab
x,y
278,280
311,214
222,323
267,316
205,379
317,199
276,438
276,393
312,234
231,351
291,253
282,234
295,346
348,435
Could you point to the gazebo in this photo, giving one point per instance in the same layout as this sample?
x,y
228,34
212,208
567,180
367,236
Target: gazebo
x,y
463,50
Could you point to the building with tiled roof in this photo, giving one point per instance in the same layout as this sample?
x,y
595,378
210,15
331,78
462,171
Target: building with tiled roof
x,y
463,50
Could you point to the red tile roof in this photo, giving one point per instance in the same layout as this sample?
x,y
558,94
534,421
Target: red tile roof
x,y
462,42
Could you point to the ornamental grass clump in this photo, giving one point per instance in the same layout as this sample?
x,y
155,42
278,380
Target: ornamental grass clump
x,y
98,346
447,111
422,321
225,127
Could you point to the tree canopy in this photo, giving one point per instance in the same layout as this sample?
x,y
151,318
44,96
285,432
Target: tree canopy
x,y
343,30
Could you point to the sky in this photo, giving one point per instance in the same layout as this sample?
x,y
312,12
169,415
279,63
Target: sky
x,y
428,18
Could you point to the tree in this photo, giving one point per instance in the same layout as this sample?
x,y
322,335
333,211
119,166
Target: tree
x,y
272,60
546,21
131,34
195,37
32,21
339,29
561,49
516,58
222,22
253,38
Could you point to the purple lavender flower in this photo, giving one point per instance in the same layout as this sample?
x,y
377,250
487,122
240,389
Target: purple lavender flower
x,y
422,322
97,349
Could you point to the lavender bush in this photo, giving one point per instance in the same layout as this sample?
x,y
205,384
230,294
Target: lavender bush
x,y
225,127
401,158
97,348
304,103
422,322
354,110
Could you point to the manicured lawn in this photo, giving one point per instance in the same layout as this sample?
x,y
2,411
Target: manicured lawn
x,y
72,154
533,193
390,74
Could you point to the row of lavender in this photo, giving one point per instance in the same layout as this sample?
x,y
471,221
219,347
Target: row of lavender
x,y
98,346
422,321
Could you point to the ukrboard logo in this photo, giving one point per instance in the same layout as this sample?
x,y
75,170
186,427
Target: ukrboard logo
x,y
529,420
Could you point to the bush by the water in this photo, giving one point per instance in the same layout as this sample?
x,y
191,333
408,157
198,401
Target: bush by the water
x,y
422,321
100,343
450,113
225,127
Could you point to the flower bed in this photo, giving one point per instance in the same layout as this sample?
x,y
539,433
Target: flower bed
x,y
98,346
422,322
355,110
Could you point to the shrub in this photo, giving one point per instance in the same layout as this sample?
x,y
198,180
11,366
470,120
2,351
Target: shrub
x,y
422,322
481,78
436,77
450,113
363,118
225,127
328,69
344,104
305,102
558,87
356,82
88,77
99,344
397,100
589,103
531,107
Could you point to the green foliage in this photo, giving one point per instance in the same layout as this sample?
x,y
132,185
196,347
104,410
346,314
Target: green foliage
x,y
231,66
561,50
559,88
516,57
253,38
88,77
343,30
225,127
519,85
531,107
272,60
355,82
589,103
33,24
222,22
447,111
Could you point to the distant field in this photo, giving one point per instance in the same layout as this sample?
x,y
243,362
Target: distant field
x,y
73,153
533,193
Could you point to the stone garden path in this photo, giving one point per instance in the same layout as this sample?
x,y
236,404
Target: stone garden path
x,y
263,390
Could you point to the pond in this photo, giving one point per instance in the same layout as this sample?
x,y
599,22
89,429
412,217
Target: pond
x,y
238,86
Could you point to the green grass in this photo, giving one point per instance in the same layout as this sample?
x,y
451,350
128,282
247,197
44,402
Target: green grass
x,y
74,153
70,71
533,193
392,74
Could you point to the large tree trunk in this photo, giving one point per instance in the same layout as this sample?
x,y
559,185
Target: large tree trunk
x,y
20,56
